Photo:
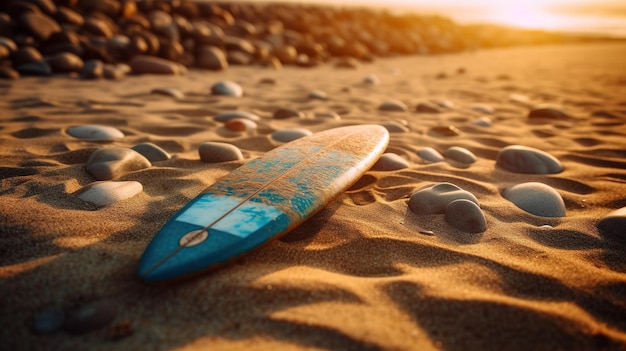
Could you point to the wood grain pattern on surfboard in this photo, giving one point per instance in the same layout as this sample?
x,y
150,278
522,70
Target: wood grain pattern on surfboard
x,y
261,201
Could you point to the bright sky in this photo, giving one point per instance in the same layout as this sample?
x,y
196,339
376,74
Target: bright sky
x,y
606,16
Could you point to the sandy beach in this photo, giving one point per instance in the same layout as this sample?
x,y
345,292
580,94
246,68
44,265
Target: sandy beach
x,y
365,273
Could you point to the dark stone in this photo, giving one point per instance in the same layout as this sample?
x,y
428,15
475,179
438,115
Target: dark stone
x,y
65,62
98,27
8,73
69,16
237,57
39,25
39,68
26,54
285,113
211,57
92,69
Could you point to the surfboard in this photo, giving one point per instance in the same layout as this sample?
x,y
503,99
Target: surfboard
x,y
261,201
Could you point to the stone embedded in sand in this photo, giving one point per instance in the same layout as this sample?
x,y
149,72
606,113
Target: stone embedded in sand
x,y
115,72
371,79
548,112
228,115
614,224
460,154
444,131
465,215
536,198
483,108
427,107
228,88
524,159
142,64
482,122
9,73
287,135
175,93
106,164
284,113
212,152
430,155
151,151
435,198
40,68
105,193
39,25
94,131
390,162
318,95
395,127
348,62
394,106
48,320
240,125
90,317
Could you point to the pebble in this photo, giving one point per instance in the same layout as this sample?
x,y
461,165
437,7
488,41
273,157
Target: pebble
x,y
537,198
482,122
114,71
371,79
284,113
211,57
348,62
318,95
26,54
109,163
460,154
287,135
213,152
90,317
465,215
39,68
151,151
548,112
48,320
240,125
430,155
142,64
483,108
427,107
105,193
393,105
228,115
434,199
175,93
92,69
395,127
519,98
40,25
614,223
390,162
228,88
9,73
95,131
447,131
65,62
524,159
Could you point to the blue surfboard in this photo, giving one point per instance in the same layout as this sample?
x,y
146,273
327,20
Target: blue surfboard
x,y
261,201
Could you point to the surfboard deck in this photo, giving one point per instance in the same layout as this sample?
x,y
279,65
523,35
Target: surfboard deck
x,y
261,201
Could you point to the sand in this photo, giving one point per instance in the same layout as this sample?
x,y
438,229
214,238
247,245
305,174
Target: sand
x,y
359,275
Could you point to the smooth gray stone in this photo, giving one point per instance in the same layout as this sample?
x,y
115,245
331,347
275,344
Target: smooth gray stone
x,y
227,88
106,164
213,152
151,151
94,131
614,224
228,115
460,154
466,216
327,115
175,93
483,108
318,95
524,159
393,106
435,198
287,135
482,122
390,162
536,198
430,155
105,193
371,79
